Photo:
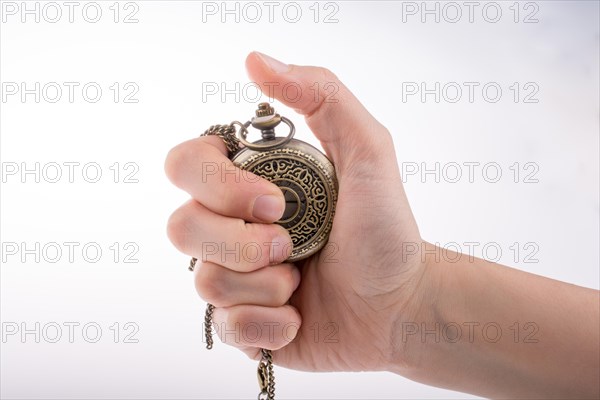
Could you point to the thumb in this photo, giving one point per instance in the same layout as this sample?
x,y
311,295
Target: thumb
x,y
347,131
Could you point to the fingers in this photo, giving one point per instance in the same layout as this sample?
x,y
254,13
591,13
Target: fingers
x,y
251,326
230,242
270,286
201,168
334,114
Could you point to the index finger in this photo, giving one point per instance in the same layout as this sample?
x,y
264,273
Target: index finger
x,y
201,167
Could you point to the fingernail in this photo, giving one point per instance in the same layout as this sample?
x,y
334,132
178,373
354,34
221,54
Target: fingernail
x,y
277,66
268,207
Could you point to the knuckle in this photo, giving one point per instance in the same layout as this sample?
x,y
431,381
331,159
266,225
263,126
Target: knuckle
x,y
377,144
386,138
235,316
210,285
175,163
180,229
256,241
278,342
327,75
286,286
232,199
181,158
386,134
253,353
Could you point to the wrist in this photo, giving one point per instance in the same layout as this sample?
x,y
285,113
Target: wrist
x,y
417,326
418,307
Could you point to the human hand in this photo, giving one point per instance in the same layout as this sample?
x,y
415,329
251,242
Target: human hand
x,y
344,299
369,288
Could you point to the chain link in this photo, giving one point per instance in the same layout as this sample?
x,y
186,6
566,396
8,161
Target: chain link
x,y
227,133
208,325
268,388
192,264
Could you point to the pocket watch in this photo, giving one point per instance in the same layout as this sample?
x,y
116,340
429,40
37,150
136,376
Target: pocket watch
x,y
308,181
304,174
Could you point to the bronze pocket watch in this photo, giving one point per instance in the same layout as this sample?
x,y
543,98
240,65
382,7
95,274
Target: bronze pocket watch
x,y
308,182
305,176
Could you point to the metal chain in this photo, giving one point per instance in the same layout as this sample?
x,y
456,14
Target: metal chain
x,y
208,325
208,315
266,375
192,264
227,133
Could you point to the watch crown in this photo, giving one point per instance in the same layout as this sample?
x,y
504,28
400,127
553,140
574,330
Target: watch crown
x,y
264,110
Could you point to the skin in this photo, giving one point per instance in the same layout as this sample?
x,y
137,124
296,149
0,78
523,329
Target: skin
x,y
367,303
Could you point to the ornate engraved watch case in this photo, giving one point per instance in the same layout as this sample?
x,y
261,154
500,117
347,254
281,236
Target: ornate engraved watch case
x,y
304,174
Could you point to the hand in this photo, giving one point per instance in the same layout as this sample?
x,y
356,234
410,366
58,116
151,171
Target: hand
x,y
362,298
343,303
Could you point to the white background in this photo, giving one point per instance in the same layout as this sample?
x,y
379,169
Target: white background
x,y
171,54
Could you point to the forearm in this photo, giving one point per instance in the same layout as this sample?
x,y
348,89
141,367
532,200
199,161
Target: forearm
x,y
495,331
